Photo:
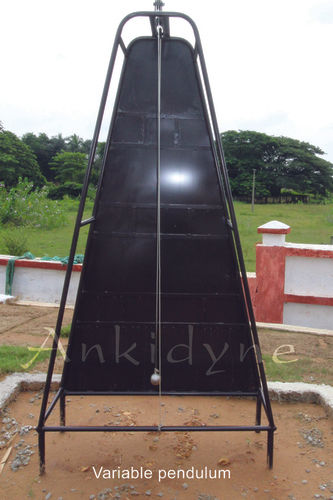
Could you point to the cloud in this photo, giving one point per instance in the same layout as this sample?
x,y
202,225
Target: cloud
x,y
322,13
273,122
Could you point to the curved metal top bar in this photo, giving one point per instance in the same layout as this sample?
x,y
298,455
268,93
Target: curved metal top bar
x,y
160,14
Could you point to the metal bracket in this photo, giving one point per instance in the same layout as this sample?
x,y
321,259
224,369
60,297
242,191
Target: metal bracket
x,y
158,4
162,21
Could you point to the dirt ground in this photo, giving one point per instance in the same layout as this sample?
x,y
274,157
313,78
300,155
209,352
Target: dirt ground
x,y
25,325
303,452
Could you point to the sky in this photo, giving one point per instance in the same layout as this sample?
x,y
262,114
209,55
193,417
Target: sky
x,y
269,62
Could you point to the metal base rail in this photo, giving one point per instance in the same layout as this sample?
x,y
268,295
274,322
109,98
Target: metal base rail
x,y
61,396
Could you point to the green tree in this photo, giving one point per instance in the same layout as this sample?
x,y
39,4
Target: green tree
x,y
17,160
45,148
58,144
69,167
280,163
74,144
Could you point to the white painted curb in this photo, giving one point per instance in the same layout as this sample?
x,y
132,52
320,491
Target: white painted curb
x,y
306,393
281,391
294,329
13,384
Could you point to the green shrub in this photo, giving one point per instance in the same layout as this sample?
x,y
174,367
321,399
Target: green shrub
x,y
15,242
66,330
72,189
70,204
24,206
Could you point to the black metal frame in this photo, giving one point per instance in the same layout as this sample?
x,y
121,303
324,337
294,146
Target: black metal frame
x,y
262,396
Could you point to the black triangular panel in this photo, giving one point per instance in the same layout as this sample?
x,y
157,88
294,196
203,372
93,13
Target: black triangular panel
x,y
206,343
208,335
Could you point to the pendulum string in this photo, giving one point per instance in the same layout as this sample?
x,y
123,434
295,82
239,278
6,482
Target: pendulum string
x,y
159,325
156,378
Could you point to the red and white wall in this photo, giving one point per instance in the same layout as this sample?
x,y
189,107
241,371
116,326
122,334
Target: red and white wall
x,y
39,280
293,283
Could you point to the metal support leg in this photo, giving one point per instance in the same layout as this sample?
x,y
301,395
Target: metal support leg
x,y
270,446
41,449
258,412
62,409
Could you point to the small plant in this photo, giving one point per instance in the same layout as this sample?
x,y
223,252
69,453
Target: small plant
x,y
65,330
15,242
31,493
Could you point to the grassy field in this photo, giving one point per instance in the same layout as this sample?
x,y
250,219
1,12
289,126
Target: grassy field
x,y
309,223
16,358
304,370
55,241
